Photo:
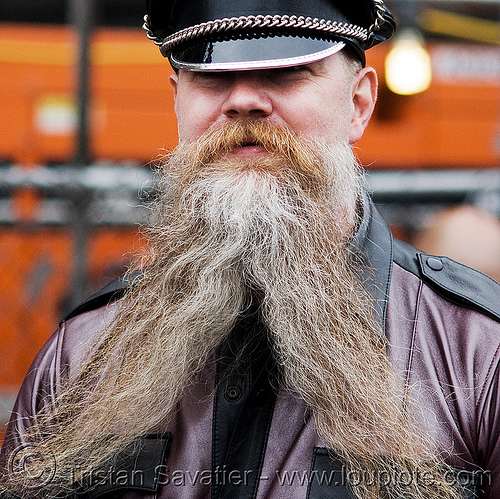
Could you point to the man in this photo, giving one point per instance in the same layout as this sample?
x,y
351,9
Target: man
x,y
276,342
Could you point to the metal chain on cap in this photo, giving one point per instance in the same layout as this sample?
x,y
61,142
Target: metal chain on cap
x,y
268,21
252,23
380,12
149,32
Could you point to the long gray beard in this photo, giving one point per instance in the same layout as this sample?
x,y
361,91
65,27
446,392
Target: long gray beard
x,y
228,232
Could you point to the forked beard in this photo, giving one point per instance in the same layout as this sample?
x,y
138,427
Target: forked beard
x,y
230,232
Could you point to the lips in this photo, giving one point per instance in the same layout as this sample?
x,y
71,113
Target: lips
x,y
249,142
249,149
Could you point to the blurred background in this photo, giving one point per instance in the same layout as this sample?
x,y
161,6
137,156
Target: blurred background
x,y
86,109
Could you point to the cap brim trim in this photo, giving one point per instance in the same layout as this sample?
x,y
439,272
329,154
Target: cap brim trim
x,y
260,64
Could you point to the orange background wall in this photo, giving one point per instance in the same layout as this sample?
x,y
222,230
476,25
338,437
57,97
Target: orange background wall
x,y
454,124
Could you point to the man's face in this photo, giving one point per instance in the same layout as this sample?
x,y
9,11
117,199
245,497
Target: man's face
x,y
326,100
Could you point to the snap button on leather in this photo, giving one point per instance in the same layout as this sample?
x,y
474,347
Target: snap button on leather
x,y
434,263
232,393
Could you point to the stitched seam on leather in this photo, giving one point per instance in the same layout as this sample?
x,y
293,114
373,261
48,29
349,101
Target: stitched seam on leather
x,y
492,367
412,344
389,277
312,467
215,455
263,452
59,350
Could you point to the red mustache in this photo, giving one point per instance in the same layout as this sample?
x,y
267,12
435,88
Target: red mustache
x,y
284,147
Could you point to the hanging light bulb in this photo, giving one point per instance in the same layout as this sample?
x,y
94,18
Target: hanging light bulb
x,y
408,68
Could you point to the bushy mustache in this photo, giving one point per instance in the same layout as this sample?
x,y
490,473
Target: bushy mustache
x,y
219,141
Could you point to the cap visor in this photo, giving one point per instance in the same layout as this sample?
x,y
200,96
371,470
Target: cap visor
x,y
254,53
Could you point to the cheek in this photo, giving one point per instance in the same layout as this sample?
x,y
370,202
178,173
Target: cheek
x,y
194,115
335,118
330,123
323,113
190,120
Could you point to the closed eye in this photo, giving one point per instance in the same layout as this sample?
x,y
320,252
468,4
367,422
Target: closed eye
x,y
290,73
213,78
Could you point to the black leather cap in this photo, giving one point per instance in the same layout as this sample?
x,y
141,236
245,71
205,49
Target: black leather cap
x,y
218,35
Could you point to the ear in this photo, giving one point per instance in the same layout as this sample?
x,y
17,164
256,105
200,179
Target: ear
x,y
364,96
174,81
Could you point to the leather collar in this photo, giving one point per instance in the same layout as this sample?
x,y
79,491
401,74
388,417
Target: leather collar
x,y
372,248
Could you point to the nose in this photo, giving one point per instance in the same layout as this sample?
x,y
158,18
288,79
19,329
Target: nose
x,y
247,98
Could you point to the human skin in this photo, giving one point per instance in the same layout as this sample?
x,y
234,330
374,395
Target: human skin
x,y
327,100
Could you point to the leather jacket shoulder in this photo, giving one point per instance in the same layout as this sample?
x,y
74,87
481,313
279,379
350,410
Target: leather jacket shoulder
x,y
454,281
